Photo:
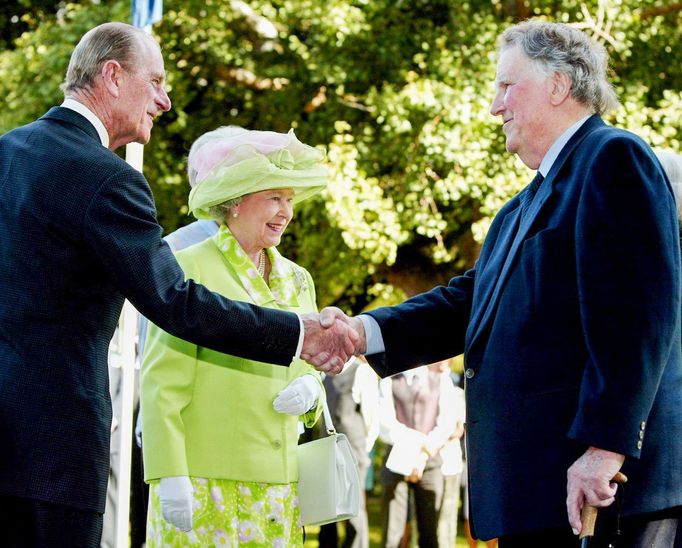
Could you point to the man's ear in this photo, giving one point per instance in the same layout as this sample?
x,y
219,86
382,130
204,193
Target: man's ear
x,y
112,73
560,88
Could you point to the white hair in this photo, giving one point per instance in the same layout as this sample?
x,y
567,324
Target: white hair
x,y
118,41
557,47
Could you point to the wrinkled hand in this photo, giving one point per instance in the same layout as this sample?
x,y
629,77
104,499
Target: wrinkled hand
x,y
175,494
299,396
589,481
331,339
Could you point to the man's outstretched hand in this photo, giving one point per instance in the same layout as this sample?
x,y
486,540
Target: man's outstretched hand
x,y
331,339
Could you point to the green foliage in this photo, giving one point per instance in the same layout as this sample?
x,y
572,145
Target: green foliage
x,y
19,16
396,91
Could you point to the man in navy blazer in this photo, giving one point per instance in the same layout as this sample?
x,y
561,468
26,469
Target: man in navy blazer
x,y
78,234
570,319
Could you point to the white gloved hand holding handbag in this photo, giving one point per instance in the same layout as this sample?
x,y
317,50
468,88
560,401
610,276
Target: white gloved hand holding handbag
x,y
299,396
175,494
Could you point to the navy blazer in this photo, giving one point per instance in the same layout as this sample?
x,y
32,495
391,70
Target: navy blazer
x,y
78,234
570,324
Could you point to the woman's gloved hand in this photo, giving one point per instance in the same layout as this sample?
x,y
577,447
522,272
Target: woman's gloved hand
x,y
299,396
175,494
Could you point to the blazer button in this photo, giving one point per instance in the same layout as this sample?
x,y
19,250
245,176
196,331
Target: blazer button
x,y
641,434
639,444
469,373
642,426
277,444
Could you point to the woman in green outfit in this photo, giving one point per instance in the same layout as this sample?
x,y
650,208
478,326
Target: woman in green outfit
x,y
220,442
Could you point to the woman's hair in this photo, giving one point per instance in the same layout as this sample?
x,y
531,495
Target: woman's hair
x,y
110,41
672,165
221,212
556,47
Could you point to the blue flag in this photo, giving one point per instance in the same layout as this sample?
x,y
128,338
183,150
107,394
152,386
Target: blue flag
x,y
144,13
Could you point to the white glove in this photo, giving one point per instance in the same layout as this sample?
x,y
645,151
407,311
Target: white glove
x,y
175,494
299,396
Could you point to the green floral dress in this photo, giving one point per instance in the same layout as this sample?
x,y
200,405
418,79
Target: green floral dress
x,y
228,512
231,513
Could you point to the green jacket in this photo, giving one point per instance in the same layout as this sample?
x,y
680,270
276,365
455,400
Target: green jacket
x,y
218,422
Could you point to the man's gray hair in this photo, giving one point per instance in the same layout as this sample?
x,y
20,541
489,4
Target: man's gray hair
x,y
556,47
109,41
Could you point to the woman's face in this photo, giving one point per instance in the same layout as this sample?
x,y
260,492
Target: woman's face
x,y
262,218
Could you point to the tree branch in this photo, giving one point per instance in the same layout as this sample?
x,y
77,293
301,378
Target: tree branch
x,y
660,10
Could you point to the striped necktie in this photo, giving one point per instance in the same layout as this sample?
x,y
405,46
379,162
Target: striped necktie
x,y
528,195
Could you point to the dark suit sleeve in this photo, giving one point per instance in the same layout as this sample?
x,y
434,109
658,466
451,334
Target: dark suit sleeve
x,y
628,269
121,229
426,328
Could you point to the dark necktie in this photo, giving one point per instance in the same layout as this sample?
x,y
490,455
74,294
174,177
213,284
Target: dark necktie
x,y
528,195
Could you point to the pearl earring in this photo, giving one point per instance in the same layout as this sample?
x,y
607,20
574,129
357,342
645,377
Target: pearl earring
x,y
235,215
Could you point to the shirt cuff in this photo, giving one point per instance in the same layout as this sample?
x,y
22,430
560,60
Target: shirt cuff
x,y
301,336
374,340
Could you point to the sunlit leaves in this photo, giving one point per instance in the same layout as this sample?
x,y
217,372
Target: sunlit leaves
x,y
397,92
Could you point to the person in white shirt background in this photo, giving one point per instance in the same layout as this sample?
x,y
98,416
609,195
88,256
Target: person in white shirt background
x,y
418,410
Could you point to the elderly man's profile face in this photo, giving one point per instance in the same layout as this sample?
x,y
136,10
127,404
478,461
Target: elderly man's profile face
x,y
143,94
522,100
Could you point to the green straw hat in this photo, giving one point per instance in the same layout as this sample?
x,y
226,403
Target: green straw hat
x,y
231,162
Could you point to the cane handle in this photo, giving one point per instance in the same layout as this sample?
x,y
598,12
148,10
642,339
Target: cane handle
x,y
588,515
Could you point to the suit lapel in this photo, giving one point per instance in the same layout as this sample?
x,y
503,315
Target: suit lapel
x,y
487,277
483,314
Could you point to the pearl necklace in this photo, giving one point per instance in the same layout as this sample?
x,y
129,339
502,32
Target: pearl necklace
x,y
261,263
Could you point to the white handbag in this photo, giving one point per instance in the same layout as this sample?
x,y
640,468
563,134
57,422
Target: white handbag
x,y
328,480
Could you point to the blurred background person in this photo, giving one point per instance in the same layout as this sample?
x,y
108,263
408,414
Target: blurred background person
x,y
451,454
353,399
219,443
417,417
672,165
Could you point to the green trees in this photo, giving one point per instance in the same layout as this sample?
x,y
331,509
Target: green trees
x,y
398,93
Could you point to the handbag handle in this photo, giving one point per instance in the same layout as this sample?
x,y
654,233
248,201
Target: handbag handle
x,y
328,424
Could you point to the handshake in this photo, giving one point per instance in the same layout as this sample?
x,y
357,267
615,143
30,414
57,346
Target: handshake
x,y
330,339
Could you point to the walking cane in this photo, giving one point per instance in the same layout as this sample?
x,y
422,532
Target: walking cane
x,y
588,515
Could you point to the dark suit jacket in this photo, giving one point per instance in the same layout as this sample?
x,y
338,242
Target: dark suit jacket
x,y
570,323
78,233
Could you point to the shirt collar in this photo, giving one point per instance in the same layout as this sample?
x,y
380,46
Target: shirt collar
x,y
81,109
558,145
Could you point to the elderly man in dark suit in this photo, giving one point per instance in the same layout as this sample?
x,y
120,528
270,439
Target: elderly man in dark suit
x,y
78,234
570,319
